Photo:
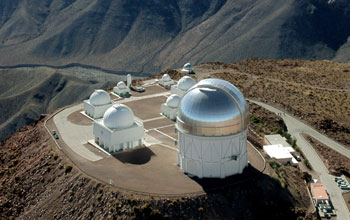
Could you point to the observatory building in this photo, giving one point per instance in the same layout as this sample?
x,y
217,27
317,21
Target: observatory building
x,y
170,107
212,126
187,68
121,89
184,84
118,129
166,81
97,104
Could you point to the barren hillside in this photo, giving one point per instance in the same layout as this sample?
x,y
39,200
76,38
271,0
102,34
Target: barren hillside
x,y
317,92
26,93
150,36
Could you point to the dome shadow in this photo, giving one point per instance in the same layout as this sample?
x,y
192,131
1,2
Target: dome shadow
x,y
213,184
136,156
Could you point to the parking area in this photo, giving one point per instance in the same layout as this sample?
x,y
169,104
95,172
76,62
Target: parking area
x,y
149,90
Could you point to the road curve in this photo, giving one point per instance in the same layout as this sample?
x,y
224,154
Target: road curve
x,y
295,128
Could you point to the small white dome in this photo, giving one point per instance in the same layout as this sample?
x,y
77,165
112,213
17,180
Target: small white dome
x,y
118,116
121,85
187,66
166,78
185,83
99,97
173,101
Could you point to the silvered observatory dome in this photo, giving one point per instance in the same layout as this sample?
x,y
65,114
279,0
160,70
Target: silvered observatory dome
x,y
213,107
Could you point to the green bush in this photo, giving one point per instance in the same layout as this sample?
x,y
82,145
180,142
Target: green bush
x,y
307,163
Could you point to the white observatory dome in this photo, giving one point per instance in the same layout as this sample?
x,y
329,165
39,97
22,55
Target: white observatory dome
x,y
121,85
173,101
213,107
187,66
118,116
185,83
99,97
166,78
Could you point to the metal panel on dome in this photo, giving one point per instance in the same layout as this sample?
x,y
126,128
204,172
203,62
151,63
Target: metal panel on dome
x,y
209,112
233,91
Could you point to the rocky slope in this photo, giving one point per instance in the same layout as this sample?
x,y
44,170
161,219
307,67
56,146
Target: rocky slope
x,y
26,93
149,36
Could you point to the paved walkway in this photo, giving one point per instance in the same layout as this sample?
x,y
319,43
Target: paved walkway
x,y
295,128
68,132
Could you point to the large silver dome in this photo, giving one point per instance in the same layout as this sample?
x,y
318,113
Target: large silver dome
x,y
213,107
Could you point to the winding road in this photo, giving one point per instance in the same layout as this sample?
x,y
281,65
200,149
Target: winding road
x,y
295,128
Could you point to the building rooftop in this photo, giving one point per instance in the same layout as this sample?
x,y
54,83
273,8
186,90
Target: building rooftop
x,y
277,139
277,151
319,191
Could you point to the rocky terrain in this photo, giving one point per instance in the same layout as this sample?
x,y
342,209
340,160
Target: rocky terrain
x,y
336,163
140,36
38,182
317,92
26,93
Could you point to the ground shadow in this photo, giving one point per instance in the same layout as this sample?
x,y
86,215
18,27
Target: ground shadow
x,y
250,195
136,156
213,184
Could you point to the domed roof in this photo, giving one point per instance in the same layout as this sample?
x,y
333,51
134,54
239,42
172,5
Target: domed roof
x,y
213,107
187,66
99,97
166,77
118,116
185,83
121,85
173,101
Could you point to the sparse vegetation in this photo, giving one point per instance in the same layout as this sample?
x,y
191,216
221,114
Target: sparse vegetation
x,y
335,162
68,168
279,174
307,164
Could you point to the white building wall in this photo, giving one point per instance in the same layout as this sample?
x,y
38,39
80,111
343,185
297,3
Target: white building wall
x,y
175,90
212,156
166,84
169,112
95,111
115,140
124,91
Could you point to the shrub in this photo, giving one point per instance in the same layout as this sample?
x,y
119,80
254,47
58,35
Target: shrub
x,y
276,178
307,163
68,169
155,214
294,143
99,197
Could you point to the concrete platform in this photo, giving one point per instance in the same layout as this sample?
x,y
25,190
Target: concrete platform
x,y
152,89
147,108
149,170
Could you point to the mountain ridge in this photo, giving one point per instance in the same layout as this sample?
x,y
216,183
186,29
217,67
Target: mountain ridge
x,y
151,36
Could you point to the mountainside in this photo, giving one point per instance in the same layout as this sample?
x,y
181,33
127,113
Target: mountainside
x,y
148,36
316,92
25,94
